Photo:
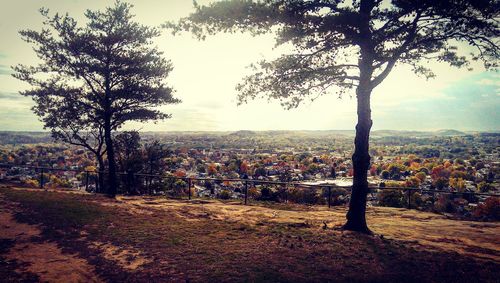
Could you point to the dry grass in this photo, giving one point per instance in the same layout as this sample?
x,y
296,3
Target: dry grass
x,y
156,239
415,227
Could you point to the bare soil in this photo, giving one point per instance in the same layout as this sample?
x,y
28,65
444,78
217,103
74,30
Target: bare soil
x,y
42,258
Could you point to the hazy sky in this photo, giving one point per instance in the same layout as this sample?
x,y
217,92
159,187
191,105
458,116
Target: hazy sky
x,y
206,72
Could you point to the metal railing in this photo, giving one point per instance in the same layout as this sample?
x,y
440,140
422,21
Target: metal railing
x,y
327,188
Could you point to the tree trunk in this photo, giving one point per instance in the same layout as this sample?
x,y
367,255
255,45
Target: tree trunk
x,y
356,220
102,168
112,181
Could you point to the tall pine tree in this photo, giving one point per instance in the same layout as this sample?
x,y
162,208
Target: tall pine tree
x,y
344,45
100,75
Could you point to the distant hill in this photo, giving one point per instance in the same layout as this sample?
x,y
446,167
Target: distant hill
x,y
13,137
243,133
349,133
438,133
9,137
450,133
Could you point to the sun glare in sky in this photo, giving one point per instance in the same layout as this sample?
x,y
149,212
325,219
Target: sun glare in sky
x,y
206,72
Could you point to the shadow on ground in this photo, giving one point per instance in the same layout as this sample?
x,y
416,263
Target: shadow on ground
x,y
156,239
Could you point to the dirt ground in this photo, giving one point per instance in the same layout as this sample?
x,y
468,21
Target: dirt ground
x,y
28,252
43,259
46,261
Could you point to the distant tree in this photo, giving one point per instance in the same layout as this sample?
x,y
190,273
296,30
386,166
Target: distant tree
x,y
333,172
479,165
457,184
413,182
313,168
483,187
440,183
261,171
244,167
128,152
421,176
129,159
341,45
102,74
201,168
285,176
154,153
212,169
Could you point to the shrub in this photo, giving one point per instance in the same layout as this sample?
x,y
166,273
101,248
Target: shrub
x,y
385,174
339,196
281,194
416,200
483,187
253,193
440,183
394,184
304,195
32,183
177,188
393,198
224,194
489,210
268,194
445,204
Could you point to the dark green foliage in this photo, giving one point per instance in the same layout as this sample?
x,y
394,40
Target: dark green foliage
x,y
305,195
128,151
268,194
393,198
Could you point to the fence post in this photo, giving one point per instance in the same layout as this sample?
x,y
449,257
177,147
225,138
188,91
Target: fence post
x,y
96,182
99,179
160,181
148,184
86,181
286,194
41,178
409,198
189,188
329,197
246,191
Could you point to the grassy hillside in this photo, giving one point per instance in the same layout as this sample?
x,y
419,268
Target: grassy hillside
x,y
155,239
